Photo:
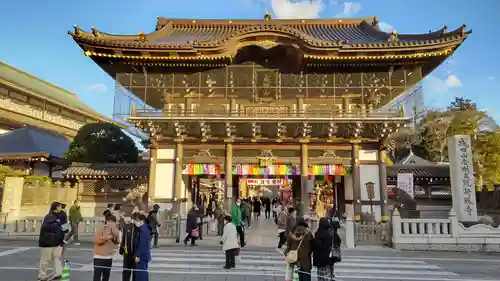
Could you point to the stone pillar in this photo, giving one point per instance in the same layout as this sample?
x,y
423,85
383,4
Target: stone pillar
x,y
304,172
178,183
300,106
382,171
153,157
356,182
228,177
12,201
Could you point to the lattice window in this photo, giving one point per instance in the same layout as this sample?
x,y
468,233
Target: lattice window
x,y
121,185
93,187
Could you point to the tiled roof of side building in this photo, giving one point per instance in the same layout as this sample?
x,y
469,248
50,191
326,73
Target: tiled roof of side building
x,y
140,169
31,140
355,33
19,79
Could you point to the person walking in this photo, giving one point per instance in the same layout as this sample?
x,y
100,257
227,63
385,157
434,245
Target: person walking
x,y
256,208
154,224
106,240
281,224
267,207
236,219
50,239
143,252
290,220
192,226
128,247
246,212
75,218
322,248
300,240
229,241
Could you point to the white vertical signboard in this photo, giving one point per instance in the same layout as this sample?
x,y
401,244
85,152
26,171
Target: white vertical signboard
x,y
405,183
462,178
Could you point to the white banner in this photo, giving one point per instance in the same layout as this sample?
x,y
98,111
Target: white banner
x,y
257,182
405,183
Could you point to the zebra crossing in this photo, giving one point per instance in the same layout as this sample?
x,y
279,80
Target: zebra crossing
x,y
259,263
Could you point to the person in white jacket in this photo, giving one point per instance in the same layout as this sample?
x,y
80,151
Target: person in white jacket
x,y
229,242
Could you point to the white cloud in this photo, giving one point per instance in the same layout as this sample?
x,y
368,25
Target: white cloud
x,y
302,9
350,9
492,78
98,88
453,82
440,86
385,27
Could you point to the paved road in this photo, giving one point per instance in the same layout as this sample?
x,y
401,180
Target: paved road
x,y
19,262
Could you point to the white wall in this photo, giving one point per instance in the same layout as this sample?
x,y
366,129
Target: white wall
x,y
164,181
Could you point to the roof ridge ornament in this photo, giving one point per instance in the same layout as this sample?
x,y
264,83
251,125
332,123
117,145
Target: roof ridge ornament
x,y
267,16
443,30
394,36
375,22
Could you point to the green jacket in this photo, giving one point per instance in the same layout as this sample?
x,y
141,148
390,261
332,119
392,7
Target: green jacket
x,y
75,216
236,215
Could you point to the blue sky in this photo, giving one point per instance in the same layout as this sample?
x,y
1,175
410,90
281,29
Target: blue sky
x,y
34,37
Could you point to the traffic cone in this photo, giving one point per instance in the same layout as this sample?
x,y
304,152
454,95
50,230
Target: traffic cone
x,y
65,276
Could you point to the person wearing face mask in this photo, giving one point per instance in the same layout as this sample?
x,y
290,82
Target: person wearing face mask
x,y
143,250
128,248
106,240
236,219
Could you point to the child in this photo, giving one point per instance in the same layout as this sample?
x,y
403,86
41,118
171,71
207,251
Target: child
x,y
106,240
229,242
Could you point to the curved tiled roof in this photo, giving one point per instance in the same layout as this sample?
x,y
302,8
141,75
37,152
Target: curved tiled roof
x,y
420,171
31,140
27,82
190,34
107,169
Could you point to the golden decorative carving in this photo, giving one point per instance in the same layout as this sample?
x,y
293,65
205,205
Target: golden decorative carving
x,y
266,158
266,110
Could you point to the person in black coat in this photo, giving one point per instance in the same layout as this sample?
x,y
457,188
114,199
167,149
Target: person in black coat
x,y
153,224
192,225
325,239
128,246
50,240
256,208
267,207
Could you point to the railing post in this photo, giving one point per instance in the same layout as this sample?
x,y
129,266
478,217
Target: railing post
x,y
453,223
350,238
178,228
396,224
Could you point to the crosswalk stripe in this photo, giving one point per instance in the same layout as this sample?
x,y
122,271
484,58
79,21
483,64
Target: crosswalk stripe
x,y
210,262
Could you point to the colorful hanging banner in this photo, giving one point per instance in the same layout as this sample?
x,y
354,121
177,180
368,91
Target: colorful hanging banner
x,y
272,170
202,169
328,170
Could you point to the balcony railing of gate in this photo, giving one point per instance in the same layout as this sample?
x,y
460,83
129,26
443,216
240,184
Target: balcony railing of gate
x,y
266,112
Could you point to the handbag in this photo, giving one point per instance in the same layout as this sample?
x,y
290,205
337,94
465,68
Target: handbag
x,y
195,232
293,255
335,252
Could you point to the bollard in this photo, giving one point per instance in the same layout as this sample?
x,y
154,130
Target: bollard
x,y
65,276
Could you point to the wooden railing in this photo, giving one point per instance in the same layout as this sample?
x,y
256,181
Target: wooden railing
x,y
333,113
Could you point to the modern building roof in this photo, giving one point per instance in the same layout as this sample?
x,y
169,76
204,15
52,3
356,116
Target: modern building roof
x,y
35,86
32,142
